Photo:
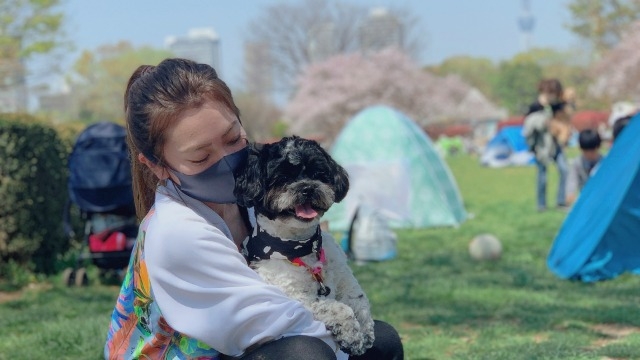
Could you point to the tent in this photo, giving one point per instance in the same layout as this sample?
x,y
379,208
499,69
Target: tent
x,y
599,238
507,148
394,167
450,145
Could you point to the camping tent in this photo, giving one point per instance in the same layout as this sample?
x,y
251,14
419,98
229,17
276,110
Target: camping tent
x,y
507,147
449,145
394,167
599,238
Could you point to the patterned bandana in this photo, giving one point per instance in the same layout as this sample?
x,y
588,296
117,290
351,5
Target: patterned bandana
x,y
262,246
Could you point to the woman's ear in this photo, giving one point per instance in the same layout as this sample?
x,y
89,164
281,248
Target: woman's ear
x,y
159,171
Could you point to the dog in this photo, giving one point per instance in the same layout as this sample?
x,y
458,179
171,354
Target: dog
x,y
291,184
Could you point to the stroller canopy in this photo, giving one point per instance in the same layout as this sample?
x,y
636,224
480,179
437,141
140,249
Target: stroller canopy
x,y
100,169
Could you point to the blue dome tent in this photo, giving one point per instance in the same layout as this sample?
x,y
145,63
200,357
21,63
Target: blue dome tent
x,y
599,239
507,148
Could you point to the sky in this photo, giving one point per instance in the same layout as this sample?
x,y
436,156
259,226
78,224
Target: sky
x,y
479,28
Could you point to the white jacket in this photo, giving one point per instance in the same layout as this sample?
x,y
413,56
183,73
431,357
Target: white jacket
x,y
205,289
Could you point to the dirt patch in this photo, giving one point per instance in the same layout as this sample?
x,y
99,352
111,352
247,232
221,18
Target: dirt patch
x,y
15,295
612,333
9,296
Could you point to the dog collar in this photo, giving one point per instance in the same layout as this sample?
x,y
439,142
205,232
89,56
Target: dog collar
x,y
316,272
262,246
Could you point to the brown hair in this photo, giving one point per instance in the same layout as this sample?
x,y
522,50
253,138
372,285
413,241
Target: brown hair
x,y
154,98
550,86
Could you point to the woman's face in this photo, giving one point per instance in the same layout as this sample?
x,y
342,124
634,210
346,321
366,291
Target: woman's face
x,y
201,137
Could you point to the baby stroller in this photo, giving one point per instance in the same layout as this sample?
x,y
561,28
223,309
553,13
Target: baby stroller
x,y
100,186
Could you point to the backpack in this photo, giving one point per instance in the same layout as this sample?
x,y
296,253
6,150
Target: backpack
x,y
370,237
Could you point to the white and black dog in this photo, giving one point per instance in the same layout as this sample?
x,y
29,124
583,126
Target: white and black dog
x,y
291,184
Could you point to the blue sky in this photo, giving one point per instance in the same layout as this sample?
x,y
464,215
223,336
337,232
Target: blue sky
x,y
486,28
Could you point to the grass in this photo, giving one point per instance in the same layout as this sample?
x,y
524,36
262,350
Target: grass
x,y
445,305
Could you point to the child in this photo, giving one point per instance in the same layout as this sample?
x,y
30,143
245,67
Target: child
x,y
582,167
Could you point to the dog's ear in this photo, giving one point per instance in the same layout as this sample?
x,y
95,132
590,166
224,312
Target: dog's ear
x,y
249,187
340,177
340,182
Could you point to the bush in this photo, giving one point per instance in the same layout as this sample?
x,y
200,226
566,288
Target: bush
x,y
33,177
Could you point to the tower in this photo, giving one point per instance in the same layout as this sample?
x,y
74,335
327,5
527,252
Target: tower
x,y
526,23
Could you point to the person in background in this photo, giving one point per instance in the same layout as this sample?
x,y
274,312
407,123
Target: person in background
x,y
619,125
547,129
188,292
585,165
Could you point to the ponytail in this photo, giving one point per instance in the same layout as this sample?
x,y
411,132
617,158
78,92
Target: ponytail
x,y
144,181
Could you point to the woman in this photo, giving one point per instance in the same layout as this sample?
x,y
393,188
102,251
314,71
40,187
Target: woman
x,y
547,128
188,292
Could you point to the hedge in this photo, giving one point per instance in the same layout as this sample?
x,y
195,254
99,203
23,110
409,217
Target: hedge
x,y
33,193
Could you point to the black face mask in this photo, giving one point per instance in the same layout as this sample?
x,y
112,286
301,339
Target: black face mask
x,y
216,183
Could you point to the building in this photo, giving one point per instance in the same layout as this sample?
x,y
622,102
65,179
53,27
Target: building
x,y
201,45
381,29
258,68
13,87
62,102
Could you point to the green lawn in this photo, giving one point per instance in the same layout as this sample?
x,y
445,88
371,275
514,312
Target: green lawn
x,y
445,305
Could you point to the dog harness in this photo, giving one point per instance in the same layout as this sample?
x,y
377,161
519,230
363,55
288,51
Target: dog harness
x,y
263,246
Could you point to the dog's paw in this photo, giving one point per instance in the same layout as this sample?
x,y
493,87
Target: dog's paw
x,y
350,339
349,335
368,333
345,326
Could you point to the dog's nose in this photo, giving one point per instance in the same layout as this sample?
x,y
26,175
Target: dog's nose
x,y
307,190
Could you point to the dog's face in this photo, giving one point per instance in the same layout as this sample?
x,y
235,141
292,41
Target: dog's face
x,y
294,179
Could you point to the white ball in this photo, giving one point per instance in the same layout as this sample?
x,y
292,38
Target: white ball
x,y
485,247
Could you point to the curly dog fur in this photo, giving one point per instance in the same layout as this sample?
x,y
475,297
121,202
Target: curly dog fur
x,y
291,184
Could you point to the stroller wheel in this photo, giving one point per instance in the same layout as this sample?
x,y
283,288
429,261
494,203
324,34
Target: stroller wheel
x,y
68,276
81,278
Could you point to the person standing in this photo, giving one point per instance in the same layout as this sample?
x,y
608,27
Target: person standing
x,y
547,129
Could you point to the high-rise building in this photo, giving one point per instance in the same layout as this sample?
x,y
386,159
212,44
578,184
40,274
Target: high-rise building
x,y
381,29
13,87
201,45
258,68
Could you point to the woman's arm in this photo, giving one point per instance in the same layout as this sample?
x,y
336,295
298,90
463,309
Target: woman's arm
x,y
205,289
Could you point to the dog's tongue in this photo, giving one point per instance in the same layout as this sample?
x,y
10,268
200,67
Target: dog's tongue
x,y
305,211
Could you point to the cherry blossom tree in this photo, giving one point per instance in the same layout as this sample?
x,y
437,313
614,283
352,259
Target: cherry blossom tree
x,y
331,92
617,74
302,32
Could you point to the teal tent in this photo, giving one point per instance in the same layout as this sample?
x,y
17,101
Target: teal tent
x,y
394,167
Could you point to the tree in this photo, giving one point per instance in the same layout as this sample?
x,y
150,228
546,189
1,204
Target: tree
x,y
570,66
99,79
331,92
602,22
516,84
27,28
301,33
477,72
260,118
616,77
